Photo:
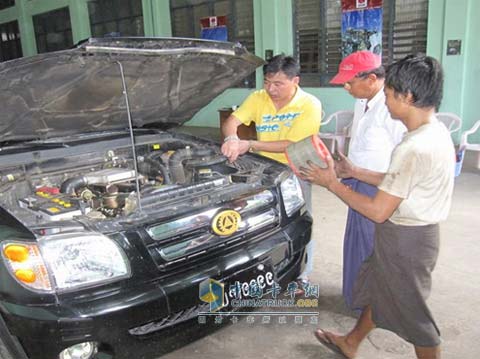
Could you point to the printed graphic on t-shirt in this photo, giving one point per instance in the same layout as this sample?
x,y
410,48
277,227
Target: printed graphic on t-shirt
x,y
271,123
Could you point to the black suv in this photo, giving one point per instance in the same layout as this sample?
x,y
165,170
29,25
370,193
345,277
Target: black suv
x,y
112,223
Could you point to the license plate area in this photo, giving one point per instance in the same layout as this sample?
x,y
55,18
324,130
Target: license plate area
x,y
255,282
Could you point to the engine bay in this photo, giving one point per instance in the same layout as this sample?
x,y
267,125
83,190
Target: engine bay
x,y
111,184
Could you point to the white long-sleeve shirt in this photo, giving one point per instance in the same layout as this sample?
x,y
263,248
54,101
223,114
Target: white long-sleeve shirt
x,y
374,134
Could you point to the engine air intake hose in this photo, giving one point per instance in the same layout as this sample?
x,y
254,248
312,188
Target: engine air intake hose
x,y
70,185
175,162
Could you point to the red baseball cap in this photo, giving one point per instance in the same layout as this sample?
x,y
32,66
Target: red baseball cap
x,y
355,63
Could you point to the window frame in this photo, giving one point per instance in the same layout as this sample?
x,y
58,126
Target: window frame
x,y
322,76
115,20
232,24
67,32
11,47
5,4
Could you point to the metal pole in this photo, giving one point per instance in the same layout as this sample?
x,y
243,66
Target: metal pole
x,y
132,137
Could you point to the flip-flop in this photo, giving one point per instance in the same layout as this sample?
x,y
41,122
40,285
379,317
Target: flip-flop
x,y
323,339
301,284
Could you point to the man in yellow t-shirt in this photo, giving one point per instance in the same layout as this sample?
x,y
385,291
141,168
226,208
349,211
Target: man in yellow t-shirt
x,y
283,114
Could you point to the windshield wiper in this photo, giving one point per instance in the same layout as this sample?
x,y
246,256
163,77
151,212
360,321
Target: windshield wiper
x,y
31,145
46,144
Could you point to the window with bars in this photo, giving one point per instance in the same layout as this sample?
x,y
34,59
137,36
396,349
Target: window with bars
x,y
53,30
10,45
6,4
186,15
318,37
116,18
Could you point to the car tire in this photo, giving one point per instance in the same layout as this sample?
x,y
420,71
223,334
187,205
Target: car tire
x,y
4,353
10,347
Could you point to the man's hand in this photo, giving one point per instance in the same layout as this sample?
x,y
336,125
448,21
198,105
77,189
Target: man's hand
x,y
234,148
343,166
322,177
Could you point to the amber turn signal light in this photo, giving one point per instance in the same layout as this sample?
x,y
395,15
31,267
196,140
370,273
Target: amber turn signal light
x,y
16,252
25,275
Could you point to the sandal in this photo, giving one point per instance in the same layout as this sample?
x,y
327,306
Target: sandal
x,y
302,283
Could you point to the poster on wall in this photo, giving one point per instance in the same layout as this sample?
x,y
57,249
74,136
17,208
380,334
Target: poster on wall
x,y
362,26
214,28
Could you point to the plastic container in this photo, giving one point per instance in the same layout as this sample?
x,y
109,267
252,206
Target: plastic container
x,y
460,155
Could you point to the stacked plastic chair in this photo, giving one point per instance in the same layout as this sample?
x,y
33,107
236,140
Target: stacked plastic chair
x,y
343,123
450,120
465,145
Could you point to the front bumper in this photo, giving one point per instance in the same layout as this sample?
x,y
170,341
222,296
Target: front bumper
x,y
123,322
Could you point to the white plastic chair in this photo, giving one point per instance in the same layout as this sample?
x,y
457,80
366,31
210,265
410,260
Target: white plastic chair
x,y
465,145
464,139
343,123
450,120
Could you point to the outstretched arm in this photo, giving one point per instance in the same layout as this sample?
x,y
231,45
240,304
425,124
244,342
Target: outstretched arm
x,y
270,146
378,208
344,168
230,126
234,147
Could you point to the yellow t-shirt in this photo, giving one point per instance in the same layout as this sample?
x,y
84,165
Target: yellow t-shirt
x,y
300,118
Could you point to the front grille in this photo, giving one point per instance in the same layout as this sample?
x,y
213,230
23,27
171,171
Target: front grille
x,y
166,195
75,329
191,236
169,321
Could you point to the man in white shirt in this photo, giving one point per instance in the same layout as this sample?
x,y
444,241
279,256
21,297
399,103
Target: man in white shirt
x,y
374,135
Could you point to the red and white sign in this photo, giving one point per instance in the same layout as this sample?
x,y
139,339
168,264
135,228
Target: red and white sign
x,y
213,21
362,4
352,5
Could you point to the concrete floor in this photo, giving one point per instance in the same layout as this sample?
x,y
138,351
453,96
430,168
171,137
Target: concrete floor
x,y
455,299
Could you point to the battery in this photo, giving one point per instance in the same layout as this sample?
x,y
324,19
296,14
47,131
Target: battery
x,y
51,207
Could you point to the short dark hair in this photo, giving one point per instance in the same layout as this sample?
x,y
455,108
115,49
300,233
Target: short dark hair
x,y
419,75
286,64
379,72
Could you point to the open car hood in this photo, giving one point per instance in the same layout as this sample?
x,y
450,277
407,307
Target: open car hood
x,y
81,90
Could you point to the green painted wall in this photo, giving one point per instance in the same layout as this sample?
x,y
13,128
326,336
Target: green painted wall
x,y
157,18
273,30
448,19
457,20
461,72
454,66
470,95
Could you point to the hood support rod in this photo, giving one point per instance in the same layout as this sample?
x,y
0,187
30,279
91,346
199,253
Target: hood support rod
x,y
132,137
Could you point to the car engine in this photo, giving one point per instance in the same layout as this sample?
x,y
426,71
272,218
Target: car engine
x,y
168,170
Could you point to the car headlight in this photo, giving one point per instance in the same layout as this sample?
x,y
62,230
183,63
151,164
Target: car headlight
x,y
292,194
64,262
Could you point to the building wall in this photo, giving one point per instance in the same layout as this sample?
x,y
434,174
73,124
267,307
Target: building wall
x,y
448,19
471,75
156,15
457,20
273,31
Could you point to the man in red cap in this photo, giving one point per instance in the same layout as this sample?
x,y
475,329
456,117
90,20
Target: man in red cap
x,y
373,137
